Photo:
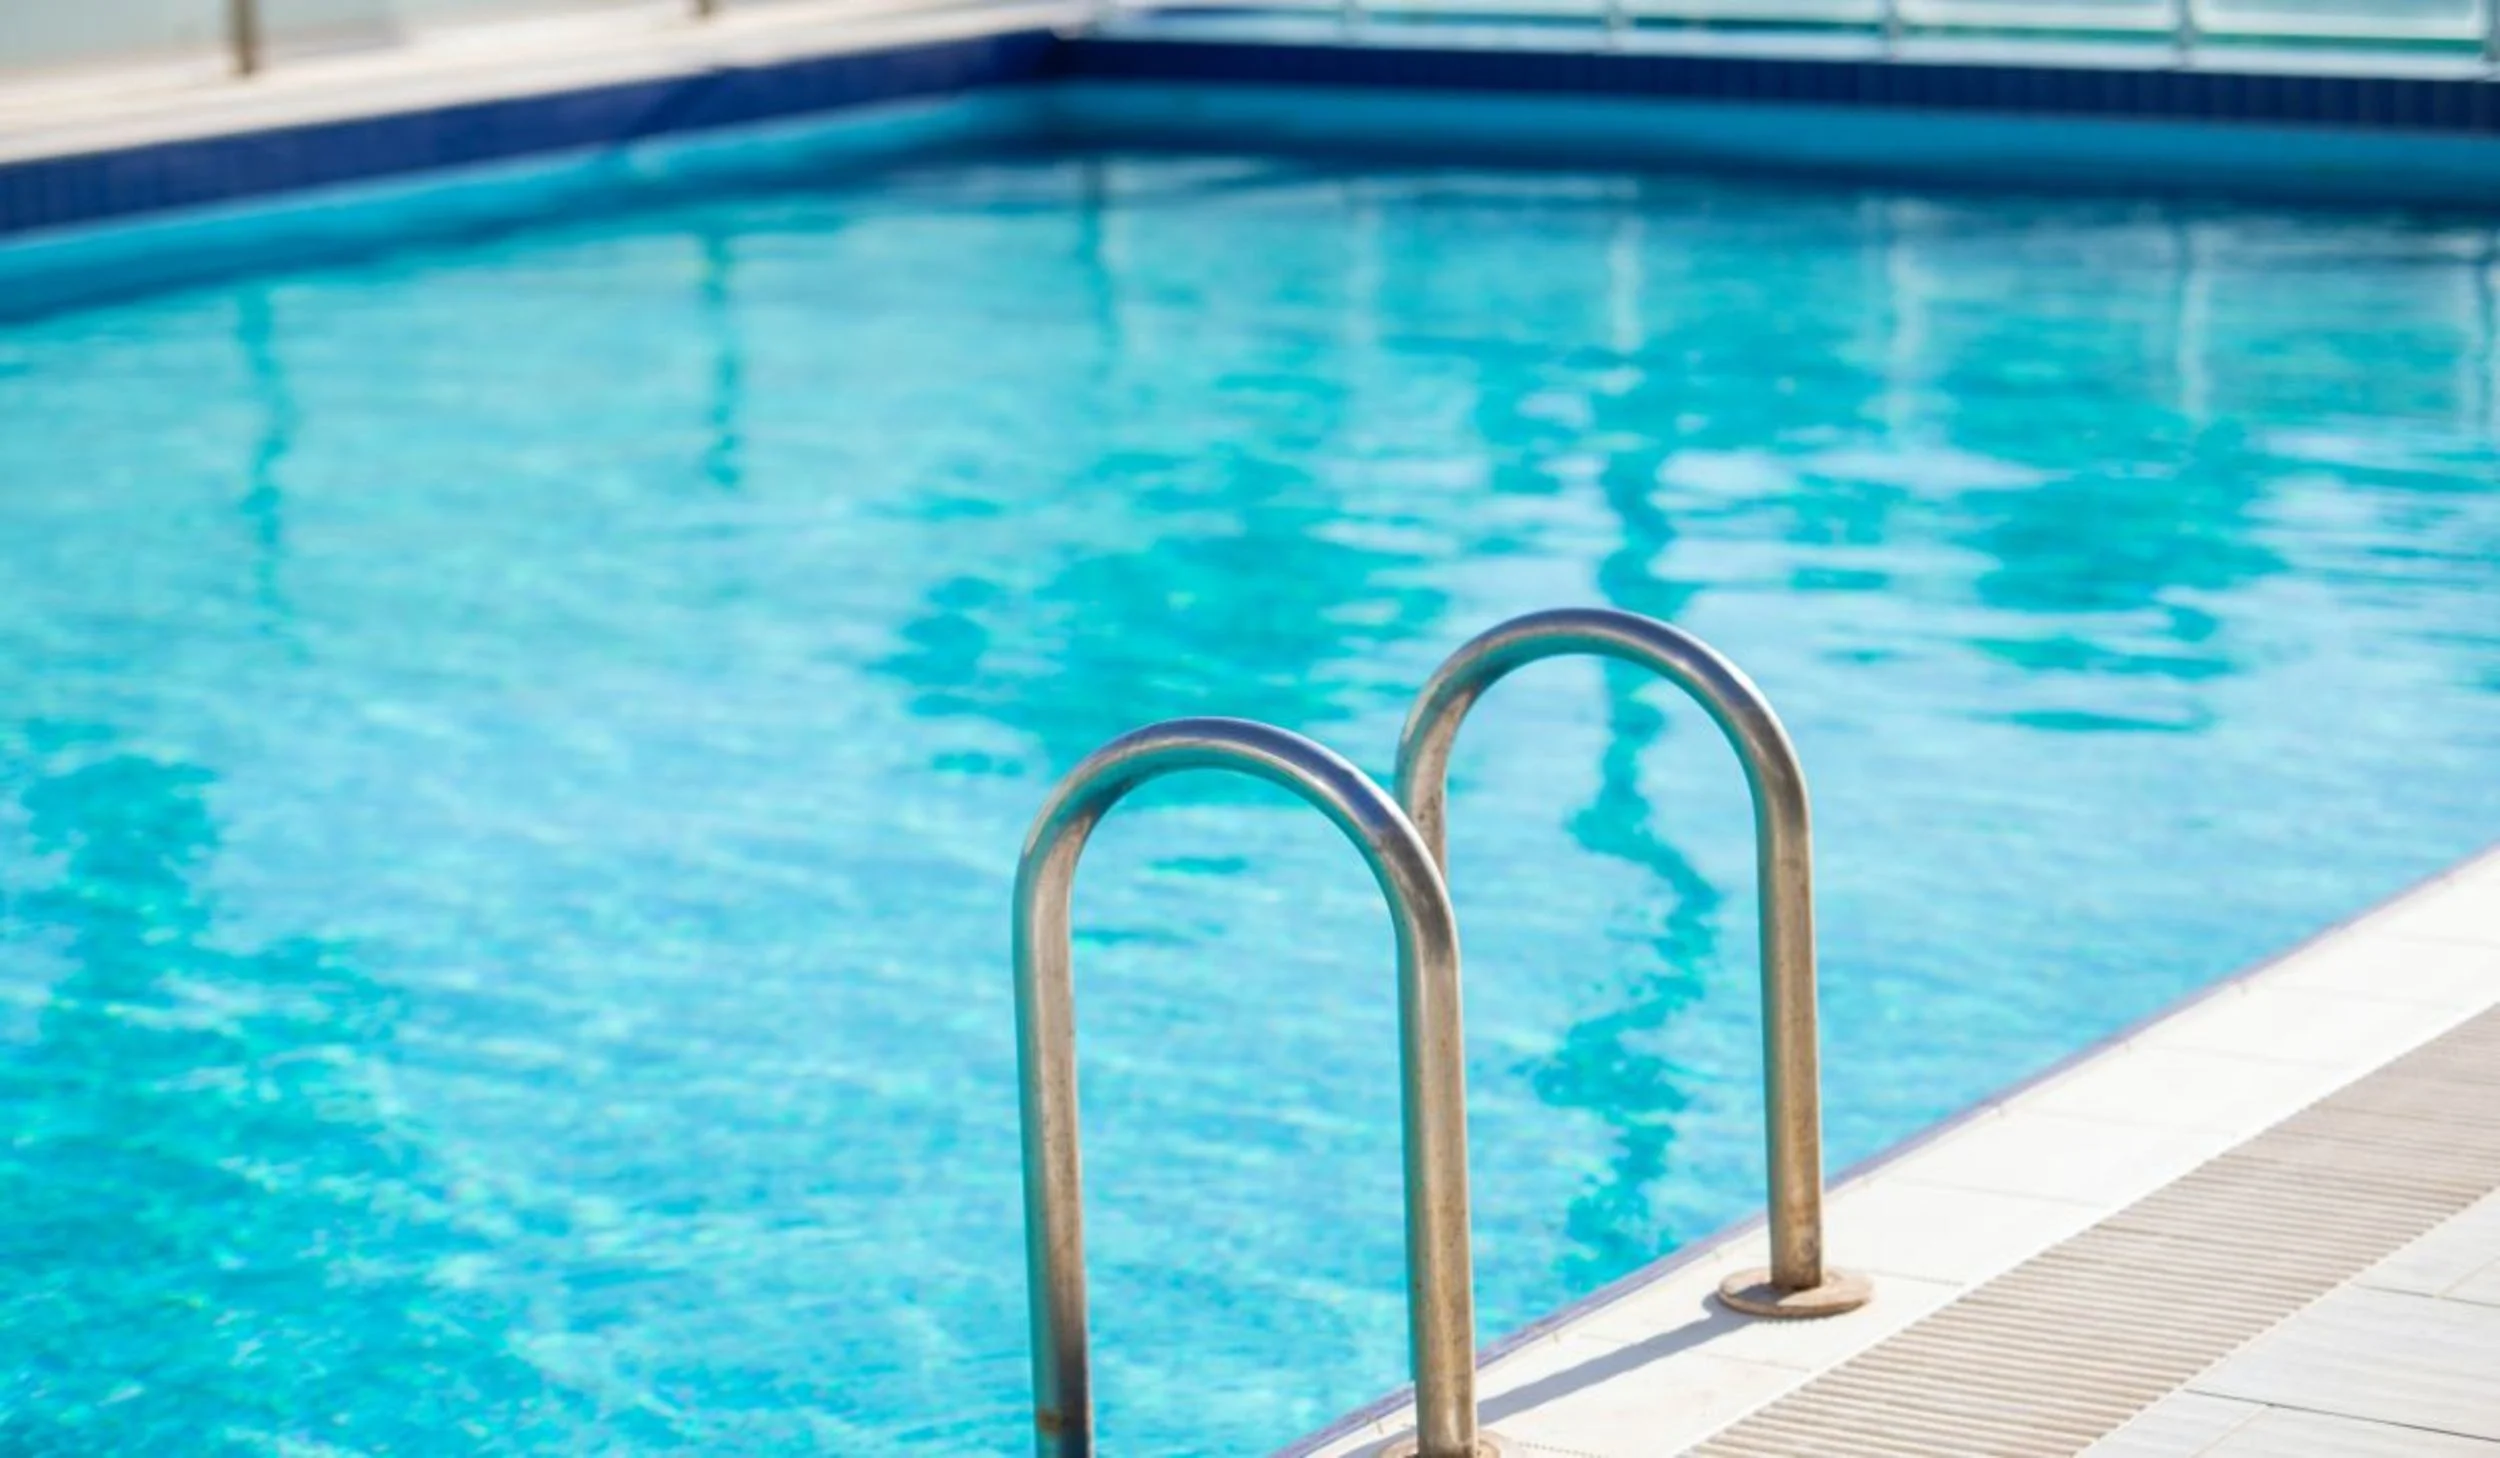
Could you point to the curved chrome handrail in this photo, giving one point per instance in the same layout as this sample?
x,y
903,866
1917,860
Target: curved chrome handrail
x,y
1797,1283
1440,1296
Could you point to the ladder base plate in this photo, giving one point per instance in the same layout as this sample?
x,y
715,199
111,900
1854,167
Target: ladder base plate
x,y
1487,1446
1752,1293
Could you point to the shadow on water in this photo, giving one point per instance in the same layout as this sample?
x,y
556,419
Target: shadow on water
x,y
212,1239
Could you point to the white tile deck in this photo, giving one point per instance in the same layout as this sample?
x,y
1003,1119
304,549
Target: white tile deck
x,y
1655,1366
2190,1422
2460,1260
106,110
2381,1356
2278,1433
2403,1362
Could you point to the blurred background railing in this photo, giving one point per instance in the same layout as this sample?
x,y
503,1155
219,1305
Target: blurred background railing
x,y
202,39
237,35
72,40
2456,29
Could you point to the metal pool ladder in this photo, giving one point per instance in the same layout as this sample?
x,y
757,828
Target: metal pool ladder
x,y
1407,857
1797,1284
1441,1317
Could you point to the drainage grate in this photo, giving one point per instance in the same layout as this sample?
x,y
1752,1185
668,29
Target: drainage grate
x,y
2060,1351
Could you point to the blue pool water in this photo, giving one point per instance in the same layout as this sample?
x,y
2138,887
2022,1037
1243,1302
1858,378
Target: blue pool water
x,y
512,752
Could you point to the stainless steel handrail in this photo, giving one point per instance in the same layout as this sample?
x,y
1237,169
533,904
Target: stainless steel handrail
x,y
1441,1318
1797,1283
243,36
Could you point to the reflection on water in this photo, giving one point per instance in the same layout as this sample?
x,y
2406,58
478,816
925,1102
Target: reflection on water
x,y
1602,1068
629,653
1605,1066
263,504
720,458
1246,599
1608,1066
1246,590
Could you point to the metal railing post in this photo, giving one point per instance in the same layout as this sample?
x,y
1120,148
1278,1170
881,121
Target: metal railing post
x,y
1797,1284
243,35
2491,33
1891,23
2184,31
1439,1275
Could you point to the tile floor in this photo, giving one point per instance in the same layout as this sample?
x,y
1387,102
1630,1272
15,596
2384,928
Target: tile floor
x,y
1654,1365
2404,1362
93,112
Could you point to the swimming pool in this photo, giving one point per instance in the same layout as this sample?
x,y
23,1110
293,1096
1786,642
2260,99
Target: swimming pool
x,y
515,750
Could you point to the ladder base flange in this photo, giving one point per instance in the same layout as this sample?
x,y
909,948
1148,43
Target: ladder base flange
x,y
1487,1446
1752,1293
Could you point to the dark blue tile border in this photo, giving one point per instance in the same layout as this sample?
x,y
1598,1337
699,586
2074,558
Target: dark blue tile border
x,y
62,190
2456,107
57,191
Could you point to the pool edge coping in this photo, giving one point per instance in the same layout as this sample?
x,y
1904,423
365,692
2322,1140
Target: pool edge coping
x,y
436,120
1366,1420
2077,1343
333,123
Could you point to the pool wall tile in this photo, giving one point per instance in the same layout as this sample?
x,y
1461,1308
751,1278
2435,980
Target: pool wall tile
x,y
69,267
1907,144
2392,102
57,191
51,192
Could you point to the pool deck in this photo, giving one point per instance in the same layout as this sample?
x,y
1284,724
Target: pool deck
x,y
84,147
92,112
2092,1254
2402,1360
82,112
